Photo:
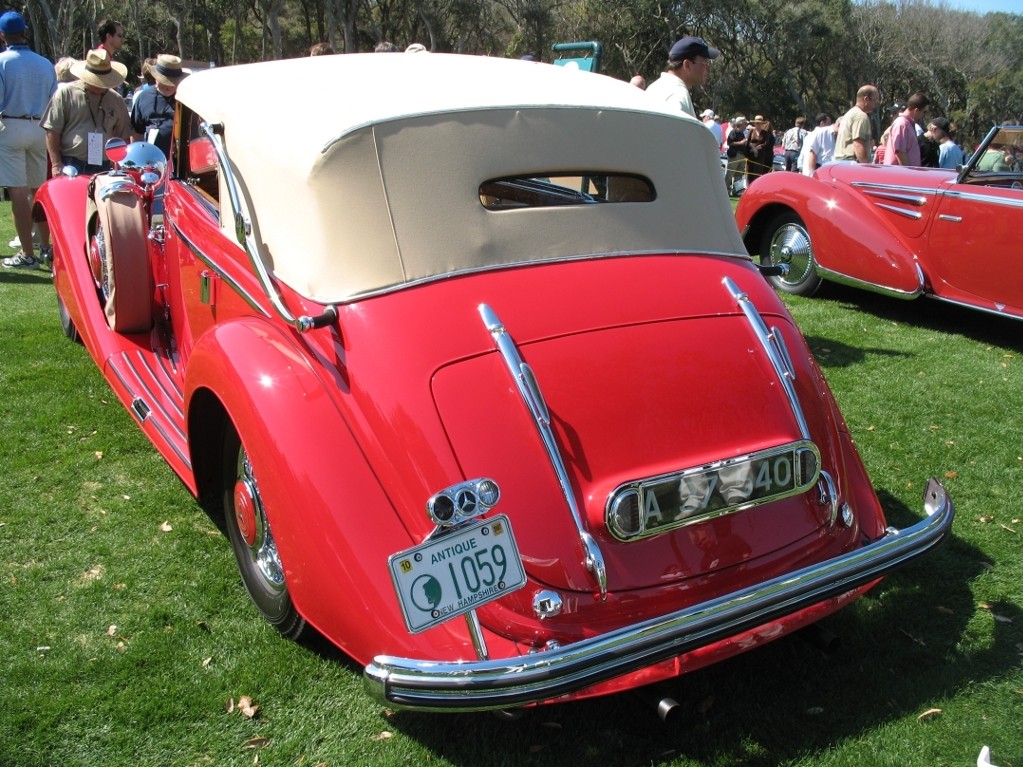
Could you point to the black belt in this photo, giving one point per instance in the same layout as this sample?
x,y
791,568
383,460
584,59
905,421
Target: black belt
x,y
18,117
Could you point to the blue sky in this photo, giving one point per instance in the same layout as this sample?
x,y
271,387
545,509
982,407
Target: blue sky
x,y
987,6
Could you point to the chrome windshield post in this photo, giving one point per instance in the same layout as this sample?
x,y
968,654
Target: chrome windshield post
x,y
243,233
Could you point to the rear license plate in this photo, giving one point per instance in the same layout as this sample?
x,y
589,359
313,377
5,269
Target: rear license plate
x,y
442,578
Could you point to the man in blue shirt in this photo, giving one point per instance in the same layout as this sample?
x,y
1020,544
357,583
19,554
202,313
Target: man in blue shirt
x,y
27,80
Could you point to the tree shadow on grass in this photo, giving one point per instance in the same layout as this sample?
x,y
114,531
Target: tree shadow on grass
x,y
902,647
928,313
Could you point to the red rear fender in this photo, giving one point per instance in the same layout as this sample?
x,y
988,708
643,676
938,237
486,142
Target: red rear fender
x,y
334,526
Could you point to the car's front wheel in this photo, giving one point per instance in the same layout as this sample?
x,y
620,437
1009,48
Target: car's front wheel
x,y
253,542
787,242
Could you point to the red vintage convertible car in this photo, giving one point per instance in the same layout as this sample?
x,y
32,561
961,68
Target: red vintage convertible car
x,y
904,232
472,363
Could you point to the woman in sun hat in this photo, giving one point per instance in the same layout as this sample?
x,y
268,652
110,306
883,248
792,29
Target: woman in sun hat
x,y
84,114
152,111
761,148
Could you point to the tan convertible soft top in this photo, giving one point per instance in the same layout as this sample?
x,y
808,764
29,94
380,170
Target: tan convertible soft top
x,y
364,170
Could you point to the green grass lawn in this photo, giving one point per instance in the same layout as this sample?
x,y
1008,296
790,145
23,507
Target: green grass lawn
x,y
126,634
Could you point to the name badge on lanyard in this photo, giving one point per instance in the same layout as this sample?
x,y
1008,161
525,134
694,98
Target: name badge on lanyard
x,y
95,149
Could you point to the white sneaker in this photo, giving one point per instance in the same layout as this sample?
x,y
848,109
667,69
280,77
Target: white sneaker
x,y
16,243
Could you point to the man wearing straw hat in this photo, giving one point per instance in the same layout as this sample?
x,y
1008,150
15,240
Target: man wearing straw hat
x,y
27,81
83,115
152,111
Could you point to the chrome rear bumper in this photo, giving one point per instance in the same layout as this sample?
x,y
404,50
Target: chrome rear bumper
x,y
510,682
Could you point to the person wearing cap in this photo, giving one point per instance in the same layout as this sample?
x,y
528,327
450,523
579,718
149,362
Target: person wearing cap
x,y
689,62
152,111
82,116
711,121
854,142
27,80
792,143
903,144
950,154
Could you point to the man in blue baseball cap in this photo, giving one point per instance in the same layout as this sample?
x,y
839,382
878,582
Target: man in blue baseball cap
x,y
689,63
27,80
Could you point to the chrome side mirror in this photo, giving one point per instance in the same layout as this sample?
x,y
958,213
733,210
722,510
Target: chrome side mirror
x,y
115,149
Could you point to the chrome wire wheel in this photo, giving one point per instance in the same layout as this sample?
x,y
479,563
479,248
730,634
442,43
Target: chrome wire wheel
x,y
786,242
250,517
252,539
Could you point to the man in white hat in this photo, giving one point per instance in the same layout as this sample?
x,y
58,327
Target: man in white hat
x,y
152,111
83,115
711,121
27,81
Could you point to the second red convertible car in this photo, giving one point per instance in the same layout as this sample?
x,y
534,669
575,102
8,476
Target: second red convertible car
x,y
906,232
469,358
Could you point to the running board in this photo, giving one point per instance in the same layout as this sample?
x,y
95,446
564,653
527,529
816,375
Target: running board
x,y
151,390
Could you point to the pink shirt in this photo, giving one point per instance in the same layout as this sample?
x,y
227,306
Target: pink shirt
x,y
902,138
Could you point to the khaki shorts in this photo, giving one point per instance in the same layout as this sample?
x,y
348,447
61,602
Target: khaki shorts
x,y
23,160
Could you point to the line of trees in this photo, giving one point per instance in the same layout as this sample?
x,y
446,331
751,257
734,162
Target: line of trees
x,y
779,58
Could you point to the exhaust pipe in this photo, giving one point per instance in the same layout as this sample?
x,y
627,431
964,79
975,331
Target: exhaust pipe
x,y
668,709
818,636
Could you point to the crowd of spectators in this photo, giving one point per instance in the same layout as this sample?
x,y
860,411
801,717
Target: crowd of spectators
x,y
55,116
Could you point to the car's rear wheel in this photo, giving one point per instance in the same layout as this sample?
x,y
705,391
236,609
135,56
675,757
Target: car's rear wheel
x,y
787,242
253,542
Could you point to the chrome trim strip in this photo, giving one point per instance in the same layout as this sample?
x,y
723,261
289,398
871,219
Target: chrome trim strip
x,y
774,345
912,214
231,282
896,189
534,678
976,197
915,199
1003,312
529,390
855,282
947,217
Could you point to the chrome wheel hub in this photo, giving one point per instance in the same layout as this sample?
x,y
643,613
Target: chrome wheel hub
x,y
791,245
254,529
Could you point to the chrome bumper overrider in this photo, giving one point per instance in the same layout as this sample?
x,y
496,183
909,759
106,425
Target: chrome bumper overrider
x,y
518,681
